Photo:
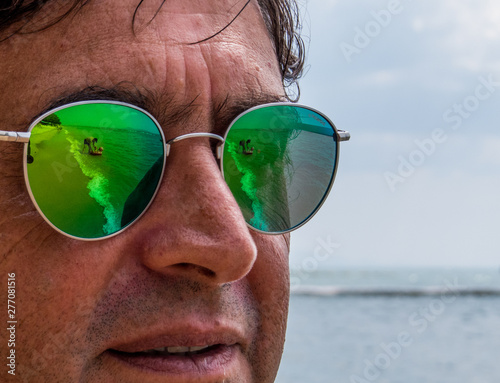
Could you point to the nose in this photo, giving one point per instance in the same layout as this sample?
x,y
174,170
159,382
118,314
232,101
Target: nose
x,y
194,227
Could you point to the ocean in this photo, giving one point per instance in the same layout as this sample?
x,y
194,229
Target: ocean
x,y
394,326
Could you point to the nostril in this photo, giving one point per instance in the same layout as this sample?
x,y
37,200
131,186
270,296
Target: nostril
x,y
184,266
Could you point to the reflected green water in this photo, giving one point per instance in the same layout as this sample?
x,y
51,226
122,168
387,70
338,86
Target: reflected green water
x,y
83,194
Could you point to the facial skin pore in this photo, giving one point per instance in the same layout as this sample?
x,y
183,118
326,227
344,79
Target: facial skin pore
x,y
189,272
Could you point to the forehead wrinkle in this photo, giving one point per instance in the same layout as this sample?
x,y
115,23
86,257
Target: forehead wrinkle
x,y
204,21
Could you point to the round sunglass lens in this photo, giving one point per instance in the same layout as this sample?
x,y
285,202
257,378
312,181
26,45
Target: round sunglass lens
x,y
279,162
93,168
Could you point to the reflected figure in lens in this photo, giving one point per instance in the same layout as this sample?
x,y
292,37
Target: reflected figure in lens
x,y
90,142
244,147
247,149
97,152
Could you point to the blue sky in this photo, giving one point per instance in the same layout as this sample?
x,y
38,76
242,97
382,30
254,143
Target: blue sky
x,y
418,86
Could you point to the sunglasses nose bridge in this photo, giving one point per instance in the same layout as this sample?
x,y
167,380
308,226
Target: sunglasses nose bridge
x,y
169,143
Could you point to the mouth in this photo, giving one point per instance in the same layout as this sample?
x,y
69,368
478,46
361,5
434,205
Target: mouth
x,y
178,350
193,359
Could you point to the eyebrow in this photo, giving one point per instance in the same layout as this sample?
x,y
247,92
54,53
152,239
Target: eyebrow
x,y
163,107
125,92
230,108
224,111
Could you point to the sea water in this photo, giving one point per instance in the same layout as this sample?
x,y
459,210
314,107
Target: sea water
x,y
284,179
85,193
394,326
113,176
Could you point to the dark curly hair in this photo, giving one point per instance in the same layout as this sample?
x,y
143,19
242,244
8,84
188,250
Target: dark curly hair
x,y
281,18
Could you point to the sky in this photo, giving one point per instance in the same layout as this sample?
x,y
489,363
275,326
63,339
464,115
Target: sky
x,y
417,84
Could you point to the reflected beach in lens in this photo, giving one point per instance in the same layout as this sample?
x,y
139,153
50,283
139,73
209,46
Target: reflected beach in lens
x,y
279,162
83,189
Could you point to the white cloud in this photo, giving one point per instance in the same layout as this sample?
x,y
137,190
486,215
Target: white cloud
x,y
468,30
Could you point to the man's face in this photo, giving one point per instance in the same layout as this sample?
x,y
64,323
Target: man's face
x,y
189,273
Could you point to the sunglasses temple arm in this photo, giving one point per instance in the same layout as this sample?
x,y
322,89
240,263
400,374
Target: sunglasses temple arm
x,y
343,135
14,136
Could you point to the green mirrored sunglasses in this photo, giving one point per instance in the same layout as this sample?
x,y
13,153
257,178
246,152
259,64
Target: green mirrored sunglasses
x,y
93,168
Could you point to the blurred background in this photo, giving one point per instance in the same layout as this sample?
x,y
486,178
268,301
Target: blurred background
x,y
397,278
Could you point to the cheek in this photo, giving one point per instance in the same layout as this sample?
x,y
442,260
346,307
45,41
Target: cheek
x,y
270,276
270,271
57,279
269,281
58,285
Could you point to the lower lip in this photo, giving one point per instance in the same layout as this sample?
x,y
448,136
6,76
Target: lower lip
x,y
214,362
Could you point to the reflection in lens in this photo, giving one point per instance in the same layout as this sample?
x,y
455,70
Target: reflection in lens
x,y
88,161
279,162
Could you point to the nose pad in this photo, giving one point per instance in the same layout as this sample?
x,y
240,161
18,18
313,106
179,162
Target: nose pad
x,y
194,227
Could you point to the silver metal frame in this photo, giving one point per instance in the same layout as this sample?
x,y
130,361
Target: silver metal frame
x,y
23,137
191,135
14,136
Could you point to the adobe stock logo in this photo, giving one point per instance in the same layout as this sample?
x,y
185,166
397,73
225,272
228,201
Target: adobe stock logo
x,y
364,36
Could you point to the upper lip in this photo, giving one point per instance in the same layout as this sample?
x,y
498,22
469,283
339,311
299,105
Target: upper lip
x,y
181,336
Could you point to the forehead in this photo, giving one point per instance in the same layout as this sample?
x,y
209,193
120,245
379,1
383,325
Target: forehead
x,y
162,56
